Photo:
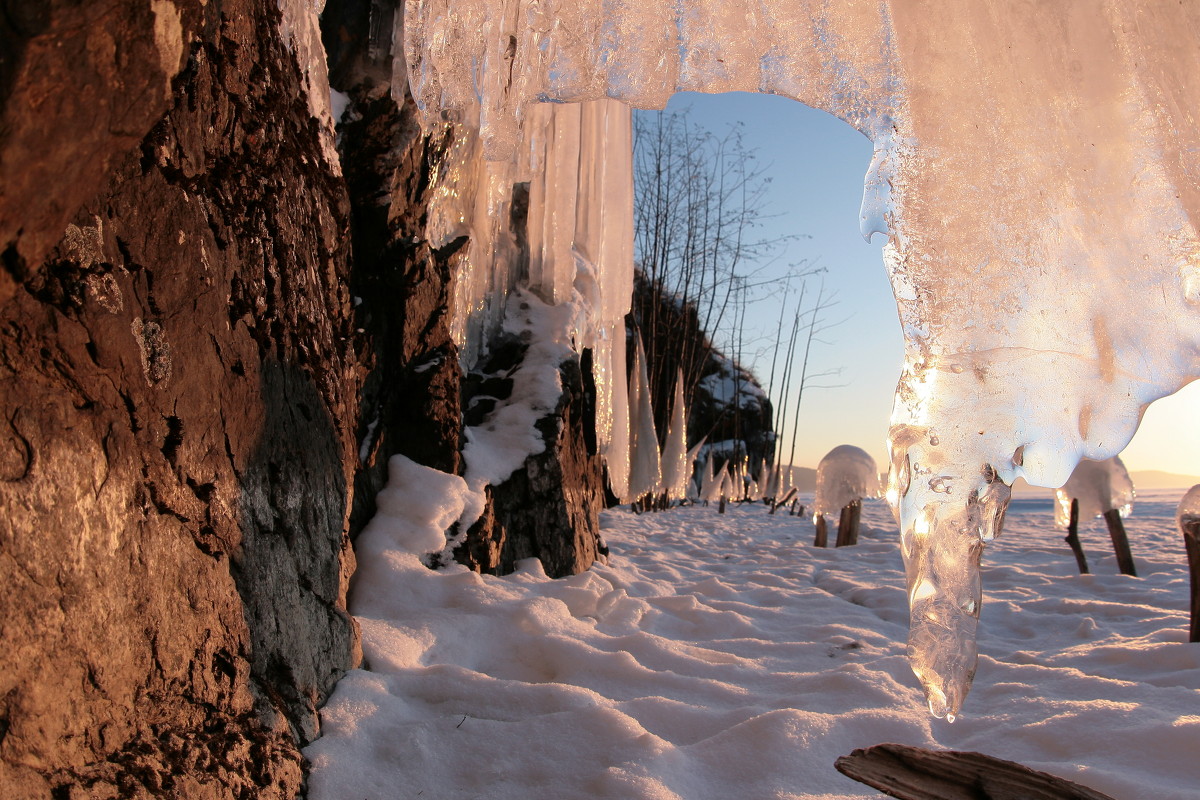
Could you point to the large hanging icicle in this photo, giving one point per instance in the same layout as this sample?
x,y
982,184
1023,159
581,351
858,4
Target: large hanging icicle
x,y
576,160
1036,171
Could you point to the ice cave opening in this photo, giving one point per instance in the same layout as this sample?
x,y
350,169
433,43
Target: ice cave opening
x,y
1035,171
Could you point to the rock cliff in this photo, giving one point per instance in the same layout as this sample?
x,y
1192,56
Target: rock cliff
x,y
213,332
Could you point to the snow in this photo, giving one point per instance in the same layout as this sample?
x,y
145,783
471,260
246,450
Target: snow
x,y
414,510
498,446
1098,486
846,473
720,656
1036,171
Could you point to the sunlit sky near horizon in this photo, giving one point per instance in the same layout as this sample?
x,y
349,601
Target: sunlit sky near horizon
x,y
817,164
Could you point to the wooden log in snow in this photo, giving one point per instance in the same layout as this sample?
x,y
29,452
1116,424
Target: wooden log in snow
x,y
822,537
1191,542
786,499
848,524
1116,529
914,773
1072,538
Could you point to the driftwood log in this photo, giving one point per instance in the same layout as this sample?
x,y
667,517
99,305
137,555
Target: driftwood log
x,y
914,773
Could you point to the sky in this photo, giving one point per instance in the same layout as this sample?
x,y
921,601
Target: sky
x,y
817,163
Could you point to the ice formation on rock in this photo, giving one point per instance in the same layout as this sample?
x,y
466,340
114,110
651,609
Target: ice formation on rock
x,y
575,167
1036,172
1098,486
846,473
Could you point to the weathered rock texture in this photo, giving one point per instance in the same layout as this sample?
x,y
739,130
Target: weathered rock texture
x,y
179,392
550,508
185,379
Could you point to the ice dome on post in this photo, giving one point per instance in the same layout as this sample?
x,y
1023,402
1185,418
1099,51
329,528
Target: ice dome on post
x,y
1097,486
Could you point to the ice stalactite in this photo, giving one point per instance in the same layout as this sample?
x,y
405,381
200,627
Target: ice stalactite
x,y
555,218
1097,486
694,483
1036,172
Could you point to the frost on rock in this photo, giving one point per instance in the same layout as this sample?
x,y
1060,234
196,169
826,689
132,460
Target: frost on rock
x,y
1098,486
846,473
1036,172
300,25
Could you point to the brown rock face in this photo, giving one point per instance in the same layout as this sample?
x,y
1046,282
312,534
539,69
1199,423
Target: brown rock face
x,y
178,390
200,321
550,508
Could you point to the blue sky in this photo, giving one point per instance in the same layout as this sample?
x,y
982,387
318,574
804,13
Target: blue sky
x,y
817,163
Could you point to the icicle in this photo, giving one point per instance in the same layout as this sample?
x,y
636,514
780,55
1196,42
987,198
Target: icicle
x,y
645,469
693,488
676,468
708,484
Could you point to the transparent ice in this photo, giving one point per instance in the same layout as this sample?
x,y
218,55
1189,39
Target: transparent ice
x,y
1098,486
846,473
1036,174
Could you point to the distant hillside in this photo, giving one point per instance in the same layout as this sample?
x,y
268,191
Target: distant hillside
x,y
804,479
1155,479
1144,480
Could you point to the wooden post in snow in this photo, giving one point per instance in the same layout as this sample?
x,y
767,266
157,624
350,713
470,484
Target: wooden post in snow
x,y
1072,538
848,524
1116,529
822,537
1191,543
914,773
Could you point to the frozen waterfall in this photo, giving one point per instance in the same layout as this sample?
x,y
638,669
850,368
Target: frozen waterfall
x,y
1036,172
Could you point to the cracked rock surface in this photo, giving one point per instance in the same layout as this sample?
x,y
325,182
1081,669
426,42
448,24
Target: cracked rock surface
x,y
178,396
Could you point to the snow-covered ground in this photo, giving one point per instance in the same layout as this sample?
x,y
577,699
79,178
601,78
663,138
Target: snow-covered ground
x,y
722,656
